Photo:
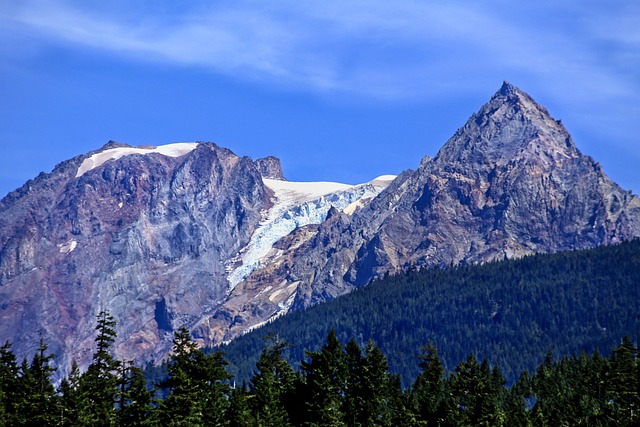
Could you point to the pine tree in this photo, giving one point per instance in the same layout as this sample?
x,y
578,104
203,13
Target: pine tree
x,y
70,399
370,388
400,402
196,383
624,382
99,384
325,383
353,401
135,400
428,390
271,385
477,394
182,406
39,404
213,383
239,413
9,386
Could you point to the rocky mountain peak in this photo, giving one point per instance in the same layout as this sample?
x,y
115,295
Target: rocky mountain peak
x,y
511,127
112,144
270,167
190,234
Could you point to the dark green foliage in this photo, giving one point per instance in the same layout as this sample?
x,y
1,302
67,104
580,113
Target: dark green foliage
x,y
39,405
428,392
71,403
99,384
9,387
135,406
509,312
351,385
476,392
196,384
325,376
370,385
272,386
341,386
240,414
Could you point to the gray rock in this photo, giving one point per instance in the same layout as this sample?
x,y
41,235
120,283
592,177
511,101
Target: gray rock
x,y
152,238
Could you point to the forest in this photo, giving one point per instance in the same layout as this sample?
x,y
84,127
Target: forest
x,y
338,385
510,312
546,340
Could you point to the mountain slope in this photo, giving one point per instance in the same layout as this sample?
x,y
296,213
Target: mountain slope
x,y
510,312
509,183
192,235
150,234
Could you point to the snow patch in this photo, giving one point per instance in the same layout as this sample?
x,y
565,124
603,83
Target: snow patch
x,y
65,248
98,159
297,204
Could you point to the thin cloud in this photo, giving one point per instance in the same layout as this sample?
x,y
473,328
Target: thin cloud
x,y
374,48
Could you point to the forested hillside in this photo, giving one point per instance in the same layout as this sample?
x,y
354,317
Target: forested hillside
x,y
338,385
511,313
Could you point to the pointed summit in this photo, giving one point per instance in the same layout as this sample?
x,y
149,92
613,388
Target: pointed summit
x,y
507,89
511,125
512,94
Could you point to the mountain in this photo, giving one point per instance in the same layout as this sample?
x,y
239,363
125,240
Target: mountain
x,y
510,312
509,183
192,235
158,236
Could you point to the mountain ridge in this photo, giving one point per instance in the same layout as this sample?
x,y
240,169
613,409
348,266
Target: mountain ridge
x,y
192,235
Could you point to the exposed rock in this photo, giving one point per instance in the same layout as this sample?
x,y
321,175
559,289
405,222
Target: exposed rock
x,y
192,235
270,167
145,237
509,183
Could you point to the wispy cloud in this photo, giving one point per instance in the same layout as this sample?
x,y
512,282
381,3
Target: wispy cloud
x,y
383,49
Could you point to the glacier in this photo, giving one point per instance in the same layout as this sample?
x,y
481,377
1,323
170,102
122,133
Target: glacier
x,y
297,204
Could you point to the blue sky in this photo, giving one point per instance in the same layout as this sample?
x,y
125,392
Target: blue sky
x,y
340,91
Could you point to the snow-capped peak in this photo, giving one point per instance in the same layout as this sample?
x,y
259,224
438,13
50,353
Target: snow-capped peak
x,y
171,150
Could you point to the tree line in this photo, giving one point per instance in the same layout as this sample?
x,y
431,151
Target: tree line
x,y
510,312
338,385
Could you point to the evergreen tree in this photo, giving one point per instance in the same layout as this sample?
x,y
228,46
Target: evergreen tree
x,y
9,387
99,384
71,404
428,391
353,401
239,413
213,382
515,406
549,386
624,383
325,374
477,392
401,406
135,406
39,405
197,389
366,386
271,385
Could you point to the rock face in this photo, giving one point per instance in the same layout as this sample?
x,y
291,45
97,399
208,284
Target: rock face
x,y
270,167
144,236
509,183
192,235
150,234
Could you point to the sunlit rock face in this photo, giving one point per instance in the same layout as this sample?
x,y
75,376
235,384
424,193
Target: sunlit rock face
x,y
509,183
144,235
158,236
192,235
